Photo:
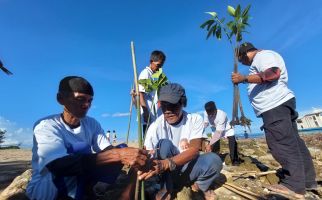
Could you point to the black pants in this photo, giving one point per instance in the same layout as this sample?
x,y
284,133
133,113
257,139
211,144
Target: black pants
x,y
233,149
287,147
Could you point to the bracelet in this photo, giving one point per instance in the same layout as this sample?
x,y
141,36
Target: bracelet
x,y
245,79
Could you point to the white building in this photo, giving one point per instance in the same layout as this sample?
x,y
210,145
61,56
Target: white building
x,y
310,121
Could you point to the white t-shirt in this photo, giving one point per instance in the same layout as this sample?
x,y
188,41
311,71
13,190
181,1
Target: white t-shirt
x,y
190,127
52,138
268,95
220,123
149,97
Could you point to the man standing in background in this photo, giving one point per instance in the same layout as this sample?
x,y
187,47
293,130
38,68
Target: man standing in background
x,y
148,101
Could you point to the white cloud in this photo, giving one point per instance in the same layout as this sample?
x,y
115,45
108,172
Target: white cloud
x,y
105,115
120,114
15,135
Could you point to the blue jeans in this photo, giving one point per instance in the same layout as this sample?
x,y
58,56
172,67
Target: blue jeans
x,y
75,186
201,170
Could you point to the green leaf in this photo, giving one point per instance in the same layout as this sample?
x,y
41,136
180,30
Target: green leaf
x,y
205,24
211,31
231,10
230,25
157,73
209,24
245,12
237,12
214,28
214,14
218,33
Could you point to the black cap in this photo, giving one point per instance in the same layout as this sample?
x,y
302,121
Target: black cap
x,y
245,47
171,93
75,84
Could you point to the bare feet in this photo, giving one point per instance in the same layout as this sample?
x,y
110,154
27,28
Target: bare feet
x,y
208,195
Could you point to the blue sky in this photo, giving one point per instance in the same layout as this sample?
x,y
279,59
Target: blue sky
x,y
42,41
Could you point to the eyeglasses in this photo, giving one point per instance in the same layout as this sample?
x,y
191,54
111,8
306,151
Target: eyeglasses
x,y
172,108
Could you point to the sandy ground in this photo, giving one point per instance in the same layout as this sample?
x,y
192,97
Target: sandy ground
x,y
13,162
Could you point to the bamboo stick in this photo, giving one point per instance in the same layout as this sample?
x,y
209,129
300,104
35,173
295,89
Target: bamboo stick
x,y
130,117
243,190
138,111
265,173
239,192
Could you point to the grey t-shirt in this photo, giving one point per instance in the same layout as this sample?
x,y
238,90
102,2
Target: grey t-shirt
x,y
268,95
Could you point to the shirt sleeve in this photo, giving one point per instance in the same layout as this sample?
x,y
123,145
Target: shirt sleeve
x,y
197,127
151,137
50,144
221,120
267,60
100,140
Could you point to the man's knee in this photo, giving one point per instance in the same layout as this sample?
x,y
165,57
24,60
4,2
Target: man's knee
x,y
211,162
166,149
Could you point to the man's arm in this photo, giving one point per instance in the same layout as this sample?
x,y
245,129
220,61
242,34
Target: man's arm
x,y
159,166
269,75
73,165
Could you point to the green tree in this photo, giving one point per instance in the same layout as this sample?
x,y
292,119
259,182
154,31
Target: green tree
x,y
233,30
2,137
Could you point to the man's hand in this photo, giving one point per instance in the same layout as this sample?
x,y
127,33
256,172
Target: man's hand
x,y
237,78
152,168
134,157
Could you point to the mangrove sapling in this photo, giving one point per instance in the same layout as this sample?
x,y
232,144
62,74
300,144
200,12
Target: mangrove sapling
x,y
233,30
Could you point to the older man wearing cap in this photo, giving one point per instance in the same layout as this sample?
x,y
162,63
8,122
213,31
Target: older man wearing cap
x,y
163,140
71,153
275,103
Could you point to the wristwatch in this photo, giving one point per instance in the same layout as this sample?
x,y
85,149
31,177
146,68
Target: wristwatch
x,y
172,164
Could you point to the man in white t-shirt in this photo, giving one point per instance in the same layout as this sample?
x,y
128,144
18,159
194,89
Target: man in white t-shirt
x,y
179,163
274,102
71,153
220,127
149,100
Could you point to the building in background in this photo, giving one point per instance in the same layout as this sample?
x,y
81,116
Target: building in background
x,y
311,121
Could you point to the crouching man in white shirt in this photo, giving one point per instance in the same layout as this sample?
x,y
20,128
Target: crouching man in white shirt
x,y
220,127
185,166
71,153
